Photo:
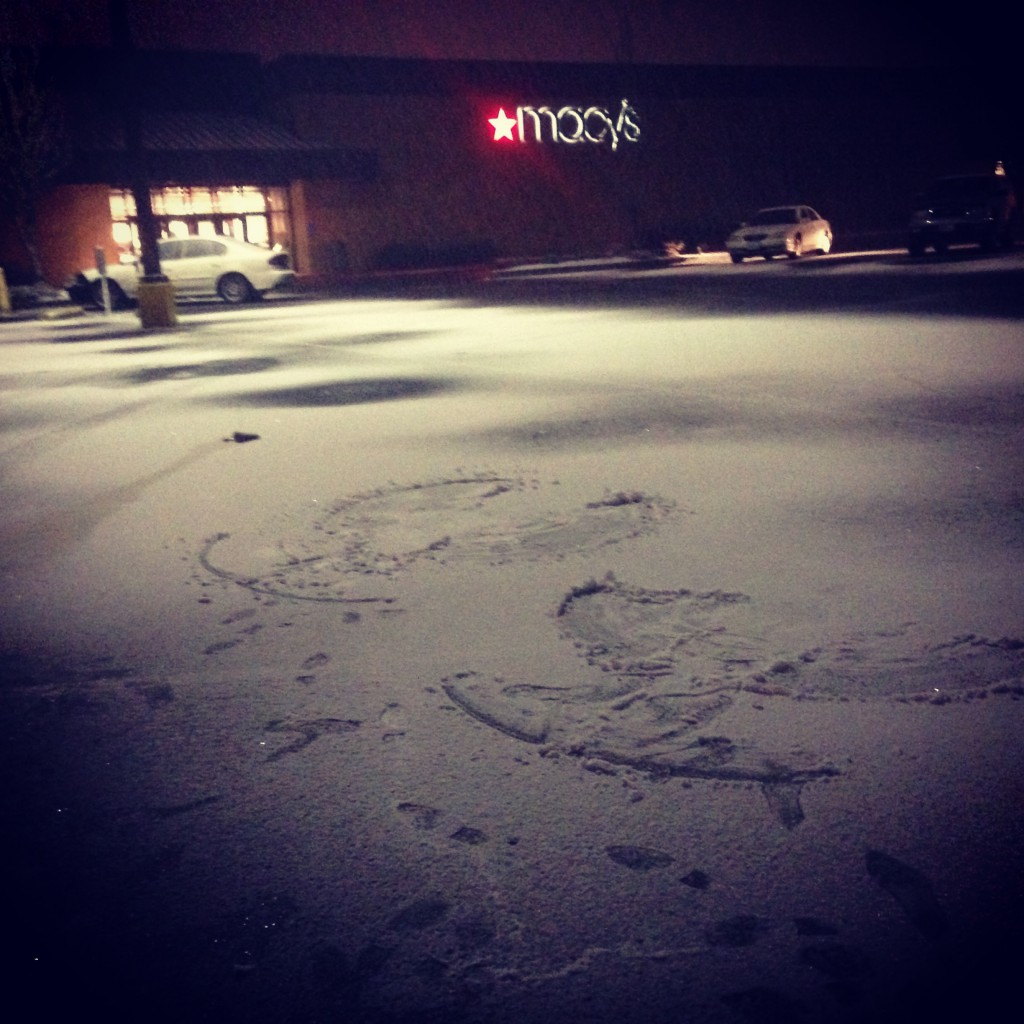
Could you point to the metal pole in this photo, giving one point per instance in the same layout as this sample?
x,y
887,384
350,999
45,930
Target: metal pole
x,y
156,296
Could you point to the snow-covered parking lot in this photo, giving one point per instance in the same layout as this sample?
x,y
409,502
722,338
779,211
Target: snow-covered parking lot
x,y
628,645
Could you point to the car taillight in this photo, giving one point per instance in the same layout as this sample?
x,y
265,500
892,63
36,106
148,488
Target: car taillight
x,y
280,261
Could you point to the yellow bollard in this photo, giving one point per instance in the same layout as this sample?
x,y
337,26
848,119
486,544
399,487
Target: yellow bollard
x,y
156,303
5,295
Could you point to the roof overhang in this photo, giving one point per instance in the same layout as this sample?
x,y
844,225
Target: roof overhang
x,y
195,147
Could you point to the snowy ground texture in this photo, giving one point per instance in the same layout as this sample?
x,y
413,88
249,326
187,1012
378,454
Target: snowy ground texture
x,y
634,646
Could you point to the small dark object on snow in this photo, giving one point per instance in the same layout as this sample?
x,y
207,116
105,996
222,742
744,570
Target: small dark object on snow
x,y
239,438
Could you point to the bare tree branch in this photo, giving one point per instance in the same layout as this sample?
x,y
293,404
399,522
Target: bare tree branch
x,y
33,142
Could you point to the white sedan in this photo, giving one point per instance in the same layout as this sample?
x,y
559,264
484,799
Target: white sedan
x,y
236,271
780,231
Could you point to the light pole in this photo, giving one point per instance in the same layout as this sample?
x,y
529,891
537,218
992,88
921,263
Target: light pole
x,y
156,293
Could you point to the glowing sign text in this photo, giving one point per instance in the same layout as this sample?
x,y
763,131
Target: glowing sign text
x,y
568,125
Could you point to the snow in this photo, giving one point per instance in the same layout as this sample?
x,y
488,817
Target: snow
x,y
630,642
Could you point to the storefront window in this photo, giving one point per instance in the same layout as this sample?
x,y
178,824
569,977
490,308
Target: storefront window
x,y
246,212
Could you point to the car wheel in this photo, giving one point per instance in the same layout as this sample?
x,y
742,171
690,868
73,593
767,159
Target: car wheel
x,y
915,248
234,288
736,257
797,250
118,299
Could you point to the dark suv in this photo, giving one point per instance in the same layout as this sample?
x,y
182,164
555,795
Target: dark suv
x,y
976,208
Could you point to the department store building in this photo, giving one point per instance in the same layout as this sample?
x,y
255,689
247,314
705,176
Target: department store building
x,y
367,165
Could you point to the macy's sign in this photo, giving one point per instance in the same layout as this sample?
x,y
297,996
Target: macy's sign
x,y
570,125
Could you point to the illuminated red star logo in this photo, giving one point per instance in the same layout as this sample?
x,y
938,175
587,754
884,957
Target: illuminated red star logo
x,y
503,125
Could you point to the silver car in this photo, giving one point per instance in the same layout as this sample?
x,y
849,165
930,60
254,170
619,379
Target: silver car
x,y
235,271
781,231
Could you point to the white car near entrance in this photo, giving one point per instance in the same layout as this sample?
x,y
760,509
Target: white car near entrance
x,y
235,271
791,231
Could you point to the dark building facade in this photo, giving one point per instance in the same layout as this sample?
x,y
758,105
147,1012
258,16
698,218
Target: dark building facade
x,y
363,164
